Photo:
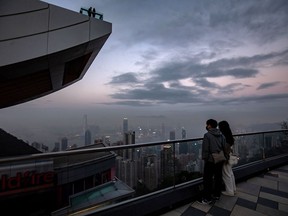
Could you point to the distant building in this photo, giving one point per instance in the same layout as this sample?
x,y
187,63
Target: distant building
x,y
88,137
183,148
127,164
107,141
167,164
125,125
163,131
56,147
172,135
36,145
129,138
151,173
64,144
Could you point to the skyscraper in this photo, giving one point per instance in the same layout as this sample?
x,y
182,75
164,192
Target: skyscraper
x,y
172,135
151,171
129,138
167,165
127,166
88,137
125,125
84,124
163,131
183,148
64,144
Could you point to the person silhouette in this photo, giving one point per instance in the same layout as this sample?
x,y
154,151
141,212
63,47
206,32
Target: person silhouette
x,y
213,141
227,172
89,11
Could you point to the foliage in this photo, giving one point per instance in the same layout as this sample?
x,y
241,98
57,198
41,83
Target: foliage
x,y
284,125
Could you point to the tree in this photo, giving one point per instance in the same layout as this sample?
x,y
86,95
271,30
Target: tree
x,y
284,125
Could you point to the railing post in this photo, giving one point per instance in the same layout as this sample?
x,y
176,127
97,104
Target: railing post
x,y
174,165
263,148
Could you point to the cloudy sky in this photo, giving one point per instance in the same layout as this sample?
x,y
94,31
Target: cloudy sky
x,y
180,62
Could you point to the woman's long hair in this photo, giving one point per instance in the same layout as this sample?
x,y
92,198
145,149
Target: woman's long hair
x,y
226,131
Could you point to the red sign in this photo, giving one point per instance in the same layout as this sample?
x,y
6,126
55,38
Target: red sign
x,y
24,182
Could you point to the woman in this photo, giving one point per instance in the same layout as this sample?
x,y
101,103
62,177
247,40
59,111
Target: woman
x,y
227,172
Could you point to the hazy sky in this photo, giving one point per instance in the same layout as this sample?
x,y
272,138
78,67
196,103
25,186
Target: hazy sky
x,y
179,62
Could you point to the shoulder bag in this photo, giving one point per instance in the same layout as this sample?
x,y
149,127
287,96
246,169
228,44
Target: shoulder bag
x,y
219,156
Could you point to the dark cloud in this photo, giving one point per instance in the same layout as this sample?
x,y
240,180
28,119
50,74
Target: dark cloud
x,y
250,61
124,79
262,17
203,82
232,88
164,84
131,103
241,67
255,98
208,100
218,23
158,93
267,85
241,72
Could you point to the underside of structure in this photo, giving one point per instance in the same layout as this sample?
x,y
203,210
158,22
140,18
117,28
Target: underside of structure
x,y
44,48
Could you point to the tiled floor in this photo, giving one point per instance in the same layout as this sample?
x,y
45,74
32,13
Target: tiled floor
x,y
259,196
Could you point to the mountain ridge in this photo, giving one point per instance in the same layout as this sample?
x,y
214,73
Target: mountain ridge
x,y
12,146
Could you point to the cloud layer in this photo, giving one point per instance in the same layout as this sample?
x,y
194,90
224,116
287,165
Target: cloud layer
x,y
198,51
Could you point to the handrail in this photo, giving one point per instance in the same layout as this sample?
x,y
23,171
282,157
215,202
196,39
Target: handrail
x,y
112,148
170,185
91,13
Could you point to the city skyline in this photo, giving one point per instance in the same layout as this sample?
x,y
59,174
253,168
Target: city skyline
x,y
178,63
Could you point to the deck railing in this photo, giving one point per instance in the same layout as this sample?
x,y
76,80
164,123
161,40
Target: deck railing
x,y
147,168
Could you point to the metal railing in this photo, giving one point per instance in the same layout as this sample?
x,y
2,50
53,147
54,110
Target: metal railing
x,y
150,169
91,13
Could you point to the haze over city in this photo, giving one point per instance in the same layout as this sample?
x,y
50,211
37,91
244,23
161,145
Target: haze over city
x,y
173,62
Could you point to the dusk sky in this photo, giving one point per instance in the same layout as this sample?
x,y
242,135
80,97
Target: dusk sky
x,y
177,62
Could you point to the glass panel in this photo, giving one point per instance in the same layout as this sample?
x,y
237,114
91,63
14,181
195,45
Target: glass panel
x,y
141,169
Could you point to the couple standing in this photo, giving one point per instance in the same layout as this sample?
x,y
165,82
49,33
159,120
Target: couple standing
x,y
214,141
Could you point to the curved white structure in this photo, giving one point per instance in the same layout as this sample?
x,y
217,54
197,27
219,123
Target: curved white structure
x,y
44,48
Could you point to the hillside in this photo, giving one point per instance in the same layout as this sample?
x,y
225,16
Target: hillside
x,y
12,146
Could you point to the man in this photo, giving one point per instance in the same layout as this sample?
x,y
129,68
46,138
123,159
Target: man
x,y
213,142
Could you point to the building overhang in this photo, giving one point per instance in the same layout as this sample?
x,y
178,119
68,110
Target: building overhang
x,y
46,52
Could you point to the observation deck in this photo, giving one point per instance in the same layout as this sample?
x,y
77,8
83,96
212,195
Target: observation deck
x,y
45,48
57,183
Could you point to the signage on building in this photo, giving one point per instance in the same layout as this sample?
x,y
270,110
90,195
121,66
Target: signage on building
x,y
22,178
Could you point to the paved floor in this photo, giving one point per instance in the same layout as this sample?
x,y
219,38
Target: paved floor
x,y
259,196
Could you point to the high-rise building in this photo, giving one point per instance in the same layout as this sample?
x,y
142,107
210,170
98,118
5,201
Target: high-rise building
x,y
107,141
129,138
64,144
183,148
172,135
127,164
85,123
56,147
88,137
151,171
167,165
163,131
125,125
